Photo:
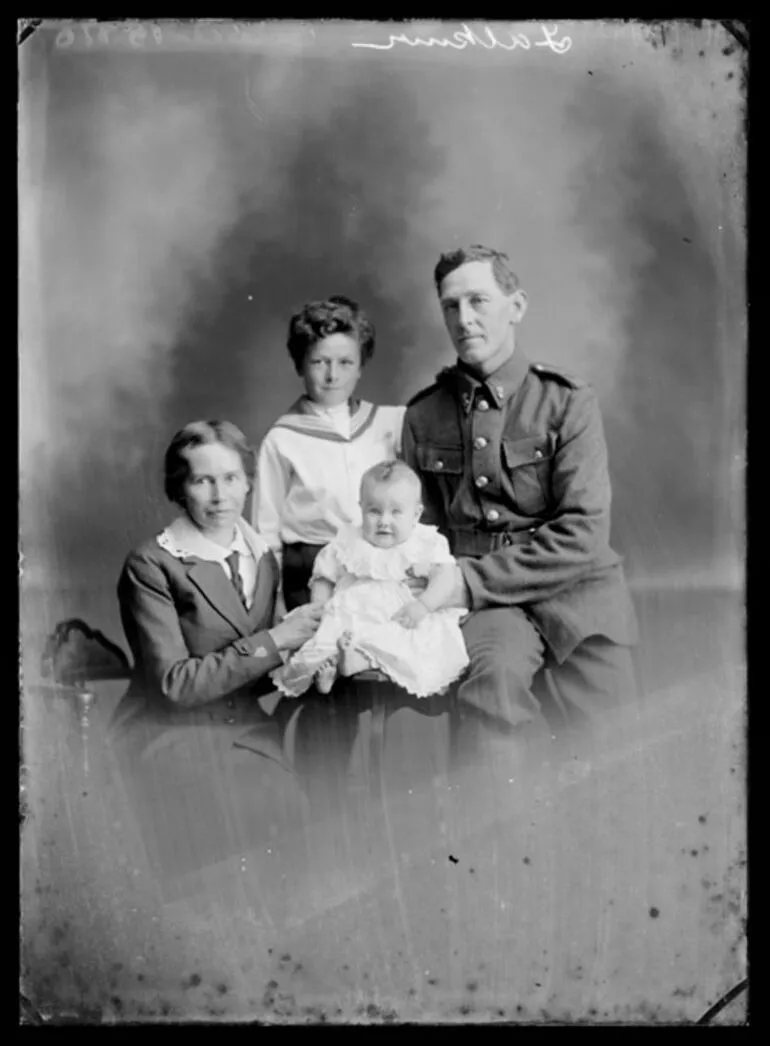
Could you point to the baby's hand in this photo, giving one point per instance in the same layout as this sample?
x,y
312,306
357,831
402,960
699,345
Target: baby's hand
x,y
415,582
410,615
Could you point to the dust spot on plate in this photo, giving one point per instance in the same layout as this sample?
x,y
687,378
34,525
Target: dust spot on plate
x,y
654,913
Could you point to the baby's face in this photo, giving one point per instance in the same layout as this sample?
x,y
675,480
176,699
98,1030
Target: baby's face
x,y
389,512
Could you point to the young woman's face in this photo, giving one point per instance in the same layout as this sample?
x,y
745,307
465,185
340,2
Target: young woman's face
x,y
331,370
215,490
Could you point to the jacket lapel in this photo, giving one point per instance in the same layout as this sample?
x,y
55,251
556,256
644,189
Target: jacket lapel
x,y
261,611
212,582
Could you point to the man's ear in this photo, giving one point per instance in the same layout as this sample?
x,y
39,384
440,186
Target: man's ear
x,y
519,302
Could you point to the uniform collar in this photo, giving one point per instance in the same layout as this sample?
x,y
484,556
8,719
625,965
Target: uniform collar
x,y
497,387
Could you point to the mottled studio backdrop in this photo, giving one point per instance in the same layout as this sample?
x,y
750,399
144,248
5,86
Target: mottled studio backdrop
x,y
180,200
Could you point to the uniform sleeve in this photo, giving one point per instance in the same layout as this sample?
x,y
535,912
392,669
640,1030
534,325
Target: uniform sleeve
x,y
271,488
432,514
152,626
565,547
327,564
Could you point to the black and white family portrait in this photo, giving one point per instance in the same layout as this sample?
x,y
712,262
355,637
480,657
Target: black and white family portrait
x,y
382,528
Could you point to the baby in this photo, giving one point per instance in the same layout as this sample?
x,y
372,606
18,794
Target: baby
x,y
371,619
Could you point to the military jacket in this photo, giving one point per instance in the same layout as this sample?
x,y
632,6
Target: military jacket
x,y
515,473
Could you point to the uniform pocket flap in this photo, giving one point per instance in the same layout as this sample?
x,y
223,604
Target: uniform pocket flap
x,y
529,451
440,459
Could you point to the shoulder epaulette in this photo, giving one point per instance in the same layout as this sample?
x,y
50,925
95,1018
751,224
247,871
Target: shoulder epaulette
x,y
547,370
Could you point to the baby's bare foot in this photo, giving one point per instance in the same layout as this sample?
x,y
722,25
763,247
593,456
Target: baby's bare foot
x,y
351,661
325,676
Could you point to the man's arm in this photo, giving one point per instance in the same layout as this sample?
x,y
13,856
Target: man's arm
x,y
442,588
567,546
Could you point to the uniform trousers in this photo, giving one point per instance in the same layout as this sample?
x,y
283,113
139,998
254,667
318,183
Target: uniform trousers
x,y
505,683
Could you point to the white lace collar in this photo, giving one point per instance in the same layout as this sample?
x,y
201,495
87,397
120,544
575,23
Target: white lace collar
x,y
182,540
360,558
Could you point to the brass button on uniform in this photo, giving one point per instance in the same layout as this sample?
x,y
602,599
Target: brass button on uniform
x,y
493,515
481,481
538,453
439,464
479,443
483,405
533,530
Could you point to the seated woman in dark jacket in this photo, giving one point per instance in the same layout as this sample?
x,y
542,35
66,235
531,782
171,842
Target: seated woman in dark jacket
x,y
197,604
197,600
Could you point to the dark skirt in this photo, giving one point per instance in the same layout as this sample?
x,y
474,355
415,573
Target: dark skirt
x,y
298,560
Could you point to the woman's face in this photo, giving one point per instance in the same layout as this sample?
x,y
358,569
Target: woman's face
x,y
214,493
331,370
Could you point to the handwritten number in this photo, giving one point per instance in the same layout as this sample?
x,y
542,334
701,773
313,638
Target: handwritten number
x,y
157,35
137,35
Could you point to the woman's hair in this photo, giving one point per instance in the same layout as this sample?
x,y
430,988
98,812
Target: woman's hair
x,y
386,473
507,280
319,319
197,434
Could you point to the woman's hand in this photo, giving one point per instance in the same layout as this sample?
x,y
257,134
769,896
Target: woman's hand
x,y
297,627
279,610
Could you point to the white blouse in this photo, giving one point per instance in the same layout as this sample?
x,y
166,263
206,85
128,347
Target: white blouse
x,y
309,472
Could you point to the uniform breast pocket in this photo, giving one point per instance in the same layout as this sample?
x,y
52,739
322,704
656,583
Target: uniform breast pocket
x,y
441,461
441,468
527,467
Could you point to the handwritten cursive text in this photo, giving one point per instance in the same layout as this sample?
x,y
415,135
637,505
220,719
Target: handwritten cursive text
x,y
487,39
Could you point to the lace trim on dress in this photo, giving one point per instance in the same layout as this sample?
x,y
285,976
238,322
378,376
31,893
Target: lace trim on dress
x,y
418,553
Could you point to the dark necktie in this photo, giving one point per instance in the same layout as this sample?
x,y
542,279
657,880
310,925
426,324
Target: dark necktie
x,y
235,574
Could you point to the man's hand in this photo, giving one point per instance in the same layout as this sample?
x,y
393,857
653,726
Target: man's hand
x,y
460,596
415,583
411,615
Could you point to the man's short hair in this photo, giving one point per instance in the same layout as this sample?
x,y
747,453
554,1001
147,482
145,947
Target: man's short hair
x,y
197,434
390,472
506,278
320,319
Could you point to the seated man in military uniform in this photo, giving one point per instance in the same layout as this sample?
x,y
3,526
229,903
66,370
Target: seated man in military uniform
x,y
513,462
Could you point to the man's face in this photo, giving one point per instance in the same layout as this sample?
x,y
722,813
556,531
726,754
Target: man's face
x,y
479,316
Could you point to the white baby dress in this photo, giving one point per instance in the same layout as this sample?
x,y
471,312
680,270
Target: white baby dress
x,y
369,589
